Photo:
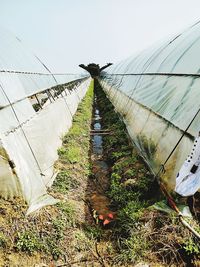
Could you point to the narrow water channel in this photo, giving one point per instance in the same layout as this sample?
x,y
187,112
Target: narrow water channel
x,y
99,201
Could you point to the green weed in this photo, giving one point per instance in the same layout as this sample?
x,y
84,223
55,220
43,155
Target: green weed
x,y
28,241
133,249
71,154
69,212
64,182
53,248
3,240
58,226
93,232
192,247
130,215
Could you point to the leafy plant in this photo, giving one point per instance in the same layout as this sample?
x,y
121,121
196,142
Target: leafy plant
x,y
69,212
192,246
3,240
64,182
71,153
133,249
93,232
53,248
58,225
28,241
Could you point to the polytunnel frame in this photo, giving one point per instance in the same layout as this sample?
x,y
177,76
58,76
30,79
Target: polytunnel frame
x,y
184,132
11,104
143,61
164,111
69,86
168,196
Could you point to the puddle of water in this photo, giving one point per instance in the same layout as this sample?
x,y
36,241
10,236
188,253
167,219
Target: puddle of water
x,y
99,202
97,145
97,139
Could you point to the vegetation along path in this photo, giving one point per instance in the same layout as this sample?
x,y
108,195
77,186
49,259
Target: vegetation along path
x,y
108,210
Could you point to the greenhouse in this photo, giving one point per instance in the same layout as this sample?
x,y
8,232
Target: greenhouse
x,y
36,109
156,92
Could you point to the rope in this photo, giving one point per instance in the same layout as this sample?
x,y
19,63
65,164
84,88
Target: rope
x,y
38,73
156,74
53,75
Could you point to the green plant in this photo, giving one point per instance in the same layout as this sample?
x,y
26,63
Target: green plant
x,y
3,240
58,226
93,232
133,249
124,164
52,247
28,241
71,153
76,131
69,212
117,155
192,246
129,216
64,182
83,243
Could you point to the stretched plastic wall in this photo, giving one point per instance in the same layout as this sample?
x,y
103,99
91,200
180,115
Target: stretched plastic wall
x,y
29,139
157,93
33,149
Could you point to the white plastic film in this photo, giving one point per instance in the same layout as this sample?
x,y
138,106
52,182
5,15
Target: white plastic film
x,y
33,148
156,92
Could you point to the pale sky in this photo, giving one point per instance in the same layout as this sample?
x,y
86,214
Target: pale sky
x,y
65,33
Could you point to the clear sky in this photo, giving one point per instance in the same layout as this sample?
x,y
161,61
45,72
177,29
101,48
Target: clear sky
x,y
65,33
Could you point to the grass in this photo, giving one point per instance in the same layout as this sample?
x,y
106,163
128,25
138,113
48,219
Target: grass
x,y
69,213
3,241
74,152
64,182
93,232
70,154
28,241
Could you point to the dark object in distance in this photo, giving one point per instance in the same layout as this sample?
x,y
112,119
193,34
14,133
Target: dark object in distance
x,y
94,69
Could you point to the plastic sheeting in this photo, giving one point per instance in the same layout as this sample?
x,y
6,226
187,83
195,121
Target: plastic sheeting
x,y
33,149
29,139
22,73
156,93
